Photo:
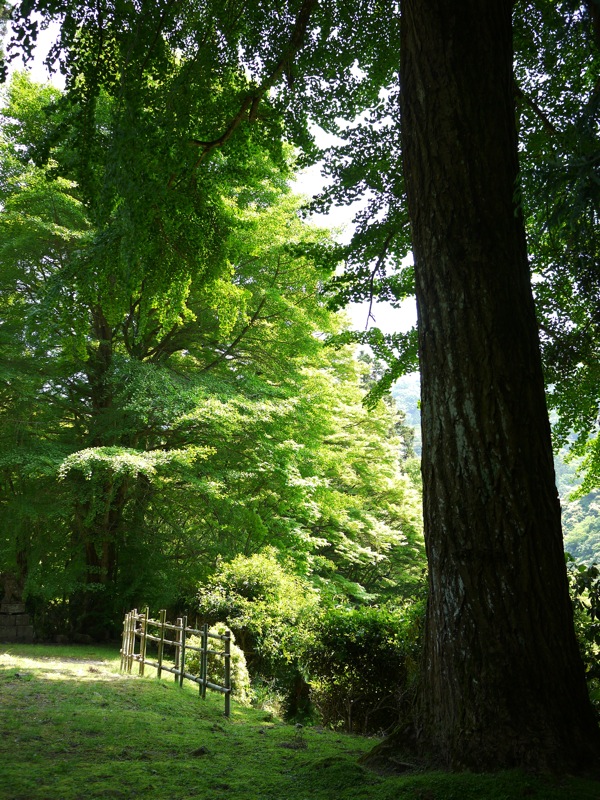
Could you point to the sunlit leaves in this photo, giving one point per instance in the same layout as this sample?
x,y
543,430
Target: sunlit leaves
x,y
178,315
118,462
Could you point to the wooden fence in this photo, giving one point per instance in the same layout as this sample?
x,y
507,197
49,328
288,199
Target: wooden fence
x,y
140,628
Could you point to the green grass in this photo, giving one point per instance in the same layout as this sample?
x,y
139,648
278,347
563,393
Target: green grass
x,y
73,727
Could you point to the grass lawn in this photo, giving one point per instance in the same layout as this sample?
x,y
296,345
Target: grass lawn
x,y
73,728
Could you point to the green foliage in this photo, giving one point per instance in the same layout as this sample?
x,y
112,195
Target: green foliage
x,y
269,608
582,539
138,440
397,350
367,166
584,581
559,107
240,678
584,585
162,303
587,447
362,665
580,512
144,438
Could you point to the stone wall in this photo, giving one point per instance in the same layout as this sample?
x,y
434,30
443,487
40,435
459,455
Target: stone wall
x,y
15,625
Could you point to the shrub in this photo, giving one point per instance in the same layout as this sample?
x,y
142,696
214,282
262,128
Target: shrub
x,y
584,585
362,666
267,607
240,678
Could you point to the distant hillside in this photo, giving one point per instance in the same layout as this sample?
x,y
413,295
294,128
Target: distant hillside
x,y
581,516
407,394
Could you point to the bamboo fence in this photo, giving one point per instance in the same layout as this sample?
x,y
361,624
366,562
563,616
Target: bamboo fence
x,y
139,629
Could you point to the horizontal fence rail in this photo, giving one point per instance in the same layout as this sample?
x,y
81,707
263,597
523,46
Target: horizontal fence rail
x,y
139,629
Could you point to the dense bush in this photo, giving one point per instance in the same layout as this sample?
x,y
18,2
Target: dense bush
x,y
362,665
584,584
240,678
268,608
359,664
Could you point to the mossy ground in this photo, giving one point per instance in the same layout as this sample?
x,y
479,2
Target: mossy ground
x,y
73,727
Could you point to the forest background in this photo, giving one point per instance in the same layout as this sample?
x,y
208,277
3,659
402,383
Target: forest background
x,y
183,414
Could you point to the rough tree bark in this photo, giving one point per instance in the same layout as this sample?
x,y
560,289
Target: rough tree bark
x,y
503,683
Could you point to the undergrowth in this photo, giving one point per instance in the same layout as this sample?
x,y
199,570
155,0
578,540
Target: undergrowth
x,y
73,727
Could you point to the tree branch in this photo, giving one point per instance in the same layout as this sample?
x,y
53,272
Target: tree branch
x,y
237,339
375,270
530,102
249,106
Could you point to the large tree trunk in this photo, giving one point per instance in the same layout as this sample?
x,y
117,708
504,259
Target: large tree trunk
x,y
503,683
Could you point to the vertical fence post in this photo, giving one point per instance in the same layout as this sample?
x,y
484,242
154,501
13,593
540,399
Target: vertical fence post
x,y
124,641
143,639
182,655
227,660
204,660
132,624
177,650
127,645
161,644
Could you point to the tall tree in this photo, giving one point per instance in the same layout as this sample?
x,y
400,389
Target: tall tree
x,y
499,643
136,454
503,682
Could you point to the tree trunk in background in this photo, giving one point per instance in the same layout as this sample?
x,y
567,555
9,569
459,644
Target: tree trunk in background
x,y
503,683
